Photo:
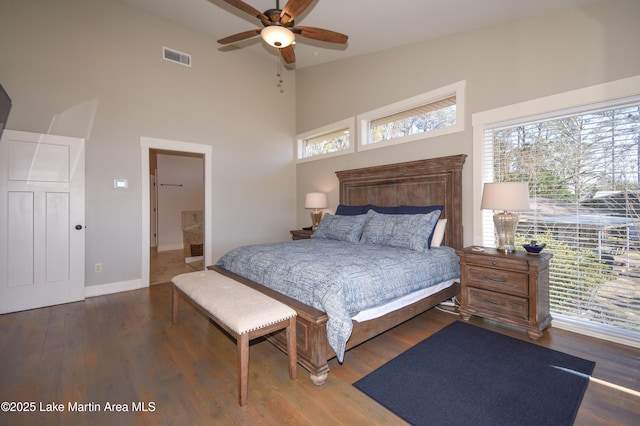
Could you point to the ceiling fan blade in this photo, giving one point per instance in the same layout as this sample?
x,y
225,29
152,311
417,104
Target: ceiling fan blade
x,y
239,4
321,34
293,9
240,36
288,54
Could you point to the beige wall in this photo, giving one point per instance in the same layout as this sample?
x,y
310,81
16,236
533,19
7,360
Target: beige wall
x,y
94,69
502,65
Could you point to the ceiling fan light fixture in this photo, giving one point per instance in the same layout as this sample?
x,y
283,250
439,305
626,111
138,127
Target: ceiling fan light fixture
x,y
277,36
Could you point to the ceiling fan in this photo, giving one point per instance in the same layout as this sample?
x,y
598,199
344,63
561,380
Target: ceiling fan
x,y
279,27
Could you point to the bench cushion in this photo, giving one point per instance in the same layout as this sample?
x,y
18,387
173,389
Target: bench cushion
x,y
239,307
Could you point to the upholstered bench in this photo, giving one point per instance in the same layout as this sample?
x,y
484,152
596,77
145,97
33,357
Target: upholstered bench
x,y
242,311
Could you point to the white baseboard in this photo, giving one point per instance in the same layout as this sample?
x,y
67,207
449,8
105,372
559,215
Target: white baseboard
x,y
193,259
598,331
109,288
170,247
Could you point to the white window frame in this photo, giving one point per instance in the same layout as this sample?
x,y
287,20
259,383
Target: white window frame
x,y
348,123
576,99
457,89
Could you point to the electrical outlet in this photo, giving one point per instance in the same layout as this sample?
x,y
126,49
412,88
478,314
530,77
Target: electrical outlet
x,y
98,268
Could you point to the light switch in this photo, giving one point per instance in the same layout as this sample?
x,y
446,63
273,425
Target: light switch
x,y
120,183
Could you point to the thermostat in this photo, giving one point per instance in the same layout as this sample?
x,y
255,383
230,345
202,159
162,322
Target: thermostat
x,y
120,183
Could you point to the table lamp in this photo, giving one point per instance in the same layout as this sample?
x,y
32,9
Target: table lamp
x,y
315,201
506,199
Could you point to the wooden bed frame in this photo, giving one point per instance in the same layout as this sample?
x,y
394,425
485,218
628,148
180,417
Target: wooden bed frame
x,y
436,181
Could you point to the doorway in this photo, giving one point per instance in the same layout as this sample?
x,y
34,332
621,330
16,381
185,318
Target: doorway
x,y
177,214
148,145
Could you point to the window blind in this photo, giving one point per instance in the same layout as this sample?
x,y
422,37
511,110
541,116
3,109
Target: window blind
x,y
421,119
421,110
584,182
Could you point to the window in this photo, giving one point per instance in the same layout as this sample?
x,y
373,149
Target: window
x,y
582,166
430,114
334,139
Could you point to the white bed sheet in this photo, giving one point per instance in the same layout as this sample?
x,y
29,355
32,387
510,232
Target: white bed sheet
x,y
378,311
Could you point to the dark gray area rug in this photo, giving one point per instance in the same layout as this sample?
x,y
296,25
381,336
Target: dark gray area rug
x,y
466,375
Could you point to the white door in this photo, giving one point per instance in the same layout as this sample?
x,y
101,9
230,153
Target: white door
x,y
41,220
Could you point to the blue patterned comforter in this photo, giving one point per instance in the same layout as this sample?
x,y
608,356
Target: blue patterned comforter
x,y
341,278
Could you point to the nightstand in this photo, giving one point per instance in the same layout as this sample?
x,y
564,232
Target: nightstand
x,y
301,234
511,288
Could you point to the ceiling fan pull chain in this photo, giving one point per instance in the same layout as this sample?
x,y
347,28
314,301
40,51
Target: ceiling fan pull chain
x,y
279,75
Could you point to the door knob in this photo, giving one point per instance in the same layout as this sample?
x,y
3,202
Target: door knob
x,y
78,227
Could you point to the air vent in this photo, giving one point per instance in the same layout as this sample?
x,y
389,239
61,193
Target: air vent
x,y
176,56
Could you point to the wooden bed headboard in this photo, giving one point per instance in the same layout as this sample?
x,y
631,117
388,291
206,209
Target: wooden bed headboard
x,y
435,181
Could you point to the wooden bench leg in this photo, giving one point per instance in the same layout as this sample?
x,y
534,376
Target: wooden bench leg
x,y
292,349
242,341
243,367
175,304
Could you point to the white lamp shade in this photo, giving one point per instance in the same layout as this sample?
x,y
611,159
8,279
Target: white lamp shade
x,y
315,200
506,196
277,36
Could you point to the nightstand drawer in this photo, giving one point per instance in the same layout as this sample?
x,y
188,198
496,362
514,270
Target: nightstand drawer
x,y
496,262
498,280
501,304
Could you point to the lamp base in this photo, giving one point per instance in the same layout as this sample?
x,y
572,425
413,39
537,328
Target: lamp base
x,y
506,224
506,249
316,217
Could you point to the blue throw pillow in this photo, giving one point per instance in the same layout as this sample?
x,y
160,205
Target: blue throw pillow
x,y
410,231
344,210
382,210
343,228
418,209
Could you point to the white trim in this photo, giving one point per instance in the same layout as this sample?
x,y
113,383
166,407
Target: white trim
x,y
563,101
170,247
110,288
457,89
207,151
595,330
348,123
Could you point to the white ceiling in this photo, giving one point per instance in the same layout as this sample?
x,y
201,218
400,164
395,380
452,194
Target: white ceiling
x,y
371,25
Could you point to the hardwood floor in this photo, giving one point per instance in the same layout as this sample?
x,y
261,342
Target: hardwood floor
x,y
122,348
167,264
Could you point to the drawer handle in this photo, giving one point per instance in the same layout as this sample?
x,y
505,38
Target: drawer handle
x,y
495,302
496,279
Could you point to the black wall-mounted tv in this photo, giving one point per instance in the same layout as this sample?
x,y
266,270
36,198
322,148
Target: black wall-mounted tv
x,y
5,108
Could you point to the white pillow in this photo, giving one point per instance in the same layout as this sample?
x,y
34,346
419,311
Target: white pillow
x,y
438,233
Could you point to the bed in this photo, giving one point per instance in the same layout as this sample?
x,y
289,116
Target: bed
x,y
428,182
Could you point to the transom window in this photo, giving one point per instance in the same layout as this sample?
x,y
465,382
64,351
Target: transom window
x,y
431,114
422,119
324,144
334,139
